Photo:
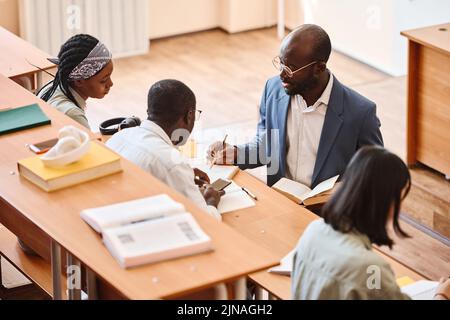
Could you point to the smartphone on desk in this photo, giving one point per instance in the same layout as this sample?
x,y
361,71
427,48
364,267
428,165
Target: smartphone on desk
x,y
43,147
220,184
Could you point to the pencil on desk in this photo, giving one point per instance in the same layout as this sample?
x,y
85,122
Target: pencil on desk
x,y
249,193
223,146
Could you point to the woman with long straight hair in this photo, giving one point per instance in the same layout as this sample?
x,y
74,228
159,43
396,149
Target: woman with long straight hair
x,y
334,257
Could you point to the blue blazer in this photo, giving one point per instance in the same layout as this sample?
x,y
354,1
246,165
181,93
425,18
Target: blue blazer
x,y
350,123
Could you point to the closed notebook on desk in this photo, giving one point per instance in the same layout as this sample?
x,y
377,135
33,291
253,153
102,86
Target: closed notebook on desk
x,y
22,118
98,162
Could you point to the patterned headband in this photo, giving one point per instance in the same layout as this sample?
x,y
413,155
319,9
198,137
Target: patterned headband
x,y
91,65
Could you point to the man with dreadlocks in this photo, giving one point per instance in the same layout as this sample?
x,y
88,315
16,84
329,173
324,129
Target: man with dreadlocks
x,y
84,71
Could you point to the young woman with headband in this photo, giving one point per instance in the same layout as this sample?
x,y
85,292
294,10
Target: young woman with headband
x,y
84,71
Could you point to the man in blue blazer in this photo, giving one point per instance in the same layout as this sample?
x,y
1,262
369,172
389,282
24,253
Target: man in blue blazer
x,y
310,124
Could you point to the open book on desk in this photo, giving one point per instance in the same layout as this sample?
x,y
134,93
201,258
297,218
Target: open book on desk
x,y
234,199
302,194
147,230
218,171
420,290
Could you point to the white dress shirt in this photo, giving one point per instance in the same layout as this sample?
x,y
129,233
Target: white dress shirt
x,y
304,129
149,147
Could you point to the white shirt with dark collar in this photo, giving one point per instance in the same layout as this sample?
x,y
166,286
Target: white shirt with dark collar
x,y
304,129
149,147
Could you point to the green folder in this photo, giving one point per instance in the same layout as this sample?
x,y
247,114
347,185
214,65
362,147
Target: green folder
x,y
22,118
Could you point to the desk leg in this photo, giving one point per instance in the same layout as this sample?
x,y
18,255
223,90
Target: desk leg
x,y
73,278
240,289
56,270
91,284
221,292
39,81
259,293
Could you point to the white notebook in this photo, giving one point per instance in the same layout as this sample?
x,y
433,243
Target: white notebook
x,y
148,230
234,199
286,265
218,171
131,212
421,290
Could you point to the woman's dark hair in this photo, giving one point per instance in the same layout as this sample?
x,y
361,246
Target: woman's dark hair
x,y
375,181
72,52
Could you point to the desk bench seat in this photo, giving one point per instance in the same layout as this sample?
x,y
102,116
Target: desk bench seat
x,y
36,269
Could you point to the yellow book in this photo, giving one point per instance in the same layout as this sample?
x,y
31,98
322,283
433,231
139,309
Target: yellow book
x,y
404,281
98,162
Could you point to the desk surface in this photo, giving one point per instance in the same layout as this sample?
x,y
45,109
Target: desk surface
x,y
14,52
58,215
276,223
437,37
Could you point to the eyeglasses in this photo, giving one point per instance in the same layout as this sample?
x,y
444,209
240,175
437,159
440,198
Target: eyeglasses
x,y
280,66
198,113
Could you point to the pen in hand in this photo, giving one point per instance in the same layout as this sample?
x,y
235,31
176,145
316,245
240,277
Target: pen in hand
x,y
223,146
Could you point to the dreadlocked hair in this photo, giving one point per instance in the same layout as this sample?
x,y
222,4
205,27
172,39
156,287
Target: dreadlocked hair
x,y
72,53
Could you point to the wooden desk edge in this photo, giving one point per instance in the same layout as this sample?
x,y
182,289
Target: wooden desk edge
x,y
416,39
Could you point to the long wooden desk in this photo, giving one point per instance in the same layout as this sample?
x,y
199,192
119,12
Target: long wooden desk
x,y
14,53
57,215
277,223
428,133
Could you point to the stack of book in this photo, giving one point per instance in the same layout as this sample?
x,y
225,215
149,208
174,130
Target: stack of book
x,y
98,162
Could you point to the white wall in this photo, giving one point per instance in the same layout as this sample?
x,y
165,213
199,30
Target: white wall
x,y
172,17
241,15
293,14
9,15
415,14
369,30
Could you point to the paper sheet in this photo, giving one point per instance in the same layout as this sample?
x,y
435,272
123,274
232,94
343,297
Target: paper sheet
x,y
421,290
286,265
234,199
321,187
218,172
